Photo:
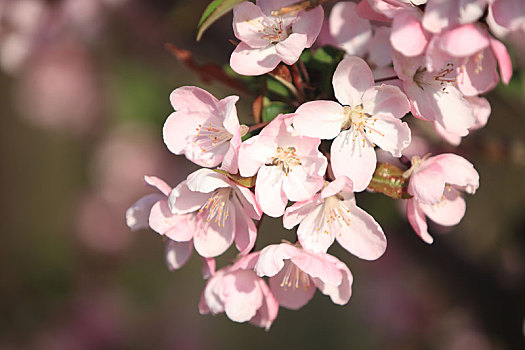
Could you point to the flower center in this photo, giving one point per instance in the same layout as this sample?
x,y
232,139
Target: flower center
x,y
218,207
444,77
275,31
294,277
362,122
336,216
210,136
286,158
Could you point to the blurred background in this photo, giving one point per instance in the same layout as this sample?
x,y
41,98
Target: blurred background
x,y
84,87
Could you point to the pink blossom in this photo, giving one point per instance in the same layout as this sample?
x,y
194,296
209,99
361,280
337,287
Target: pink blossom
x,y
204,129
237,291
444,14
220,211
334,214
435,184
510,14
480,107
474,54
433,95
365,116
288,166
295,273
266,40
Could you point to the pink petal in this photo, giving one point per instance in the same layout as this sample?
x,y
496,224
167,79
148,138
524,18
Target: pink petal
x,y
351,32
390,134
163,221
267,313
299,184
504,61
351,78
342,183
458,171
290,49
352,159
312,233
309,23
206,181
180,129
211,239
364,10
295,213
248,23
246,262
363,237
449,211
208,267
380,50
254,153
193,99
385,100
318,266
464,40
508,13
448,136
322,119
268,190
231,121
339,294
252,61
290,298
177,253
158,184
272,258
246,232
482,110
427,183
408,36
243,296
248,202
478,75
137,215
418,221
182,200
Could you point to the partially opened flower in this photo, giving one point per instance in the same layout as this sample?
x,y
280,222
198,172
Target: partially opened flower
x,y
237,291
295,274
365,116
288,166
204,129
220,210
333,214
435,184
268,39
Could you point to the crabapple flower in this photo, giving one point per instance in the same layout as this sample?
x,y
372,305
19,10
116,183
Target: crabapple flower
x,y
152,211
237,291
433,95
434,184
266,39
220,212
204,129
365,116
333,214
288,166
444,14
295,274
475,55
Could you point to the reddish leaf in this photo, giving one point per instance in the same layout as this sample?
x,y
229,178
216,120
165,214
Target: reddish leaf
x,y
257,108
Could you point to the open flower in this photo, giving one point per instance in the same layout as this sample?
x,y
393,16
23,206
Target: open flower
x,y
204,129
268,39
288,166
296,273
221,212
365,116
237,291
333,214
435,184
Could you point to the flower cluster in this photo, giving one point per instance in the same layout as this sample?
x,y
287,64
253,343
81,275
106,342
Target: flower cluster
x,y
432,59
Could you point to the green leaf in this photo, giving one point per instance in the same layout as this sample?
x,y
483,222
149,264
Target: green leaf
x,y
388,179
277,88
243,181
273,109
215,10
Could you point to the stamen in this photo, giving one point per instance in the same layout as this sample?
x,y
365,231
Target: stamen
x,y
210,136
286,159
294,278
218,207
